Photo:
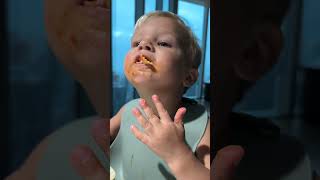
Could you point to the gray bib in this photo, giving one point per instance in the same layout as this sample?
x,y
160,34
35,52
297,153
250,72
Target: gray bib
x,y
132,160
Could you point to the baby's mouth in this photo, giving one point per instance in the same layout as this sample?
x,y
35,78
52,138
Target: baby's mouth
x,y
144,60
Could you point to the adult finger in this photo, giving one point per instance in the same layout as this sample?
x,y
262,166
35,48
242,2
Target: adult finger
x,y
86,164
225,162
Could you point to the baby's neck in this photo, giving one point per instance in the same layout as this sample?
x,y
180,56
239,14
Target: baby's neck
x,y
170,101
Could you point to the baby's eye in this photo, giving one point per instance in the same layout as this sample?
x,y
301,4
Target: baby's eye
x,y
135,44
164,44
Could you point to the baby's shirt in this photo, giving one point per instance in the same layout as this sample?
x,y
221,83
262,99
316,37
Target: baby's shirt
x,y
133,160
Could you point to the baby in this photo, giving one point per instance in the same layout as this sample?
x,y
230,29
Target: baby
x,y
162,63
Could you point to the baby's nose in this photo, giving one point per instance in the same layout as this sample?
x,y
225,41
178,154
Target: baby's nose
x,y
146,46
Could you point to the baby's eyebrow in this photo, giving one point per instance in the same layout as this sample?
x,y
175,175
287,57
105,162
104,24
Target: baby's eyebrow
x,y
169,39
164,36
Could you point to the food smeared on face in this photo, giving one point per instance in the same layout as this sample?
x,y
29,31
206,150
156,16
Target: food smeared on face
x,y
145,60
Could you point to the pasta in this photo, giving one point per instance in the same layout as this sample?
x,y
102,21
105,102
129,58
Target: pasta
x,y
145,60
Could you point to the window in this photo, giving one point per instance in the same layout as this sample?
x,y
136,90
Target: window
x,y
187,11
165,5
121,35
150,5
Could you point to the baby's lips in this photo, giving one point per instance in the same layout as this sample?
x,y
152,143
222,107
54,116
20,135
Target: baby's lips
x,y
145,60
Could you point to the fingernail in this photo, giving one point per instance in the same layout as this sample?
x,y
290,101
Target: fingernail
x,y
135,111
142,102
154,97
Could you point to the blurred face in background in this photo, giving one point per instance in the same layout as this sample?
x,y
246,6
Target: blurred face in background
x,y
245,48
78,32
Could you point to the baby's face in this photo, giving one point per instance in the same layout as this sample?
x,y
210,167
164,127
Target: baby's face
x,y
155,59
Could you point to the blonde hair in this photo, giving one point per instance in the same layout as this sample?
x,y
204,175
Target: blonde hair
x,y
186,38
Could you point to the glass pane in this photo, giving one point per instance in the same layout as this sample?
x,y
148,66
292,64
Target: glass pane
x,y
207,55
122,11
193,17
165,5
150,5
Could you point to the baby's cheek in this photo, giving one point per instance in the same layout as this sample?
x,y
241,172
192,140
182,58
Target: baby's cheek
x,y
127,63
127,58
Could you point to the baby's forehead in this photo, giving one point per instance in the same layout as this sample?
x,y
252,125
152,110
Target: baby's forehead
x,y
158,21
172,29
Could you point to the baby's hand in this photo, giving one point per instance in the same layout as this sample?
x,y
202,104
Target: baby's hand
x,y
163,136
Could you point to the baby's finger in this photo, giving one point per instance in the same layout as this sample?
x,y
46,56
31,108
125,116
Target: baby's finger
x,y
163,113
178,118
139,135
142,121
146,108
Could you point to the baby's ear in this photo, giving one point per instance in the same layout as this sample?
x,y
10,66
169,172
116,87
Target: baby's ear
x,y
191,77
261,53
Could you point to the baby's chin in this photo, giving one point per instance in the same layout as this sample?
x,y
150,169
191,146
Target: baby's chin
x,y
141,78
